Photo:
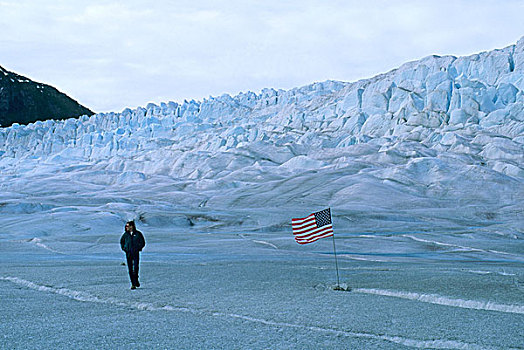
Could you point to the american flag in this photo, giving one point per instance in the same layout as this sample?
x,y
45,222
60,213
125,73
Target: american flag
x,y
313,227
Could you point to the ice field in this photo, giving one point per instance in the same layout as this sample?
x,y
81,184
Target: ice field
x,y
258,291
422,167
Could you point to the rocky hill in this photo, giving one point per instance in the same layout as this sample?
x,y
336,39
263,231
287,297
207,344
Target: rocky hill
x,y
24,101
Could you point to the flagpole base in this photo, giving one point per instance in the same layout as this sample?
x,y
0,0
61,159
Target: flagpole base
x,y
342,287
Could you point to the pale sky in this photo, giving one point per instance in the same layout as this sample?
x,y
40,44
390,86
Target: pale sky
x,y
109,55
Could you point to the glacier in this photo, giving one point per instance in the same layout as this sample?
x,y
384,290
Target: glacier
x,y
422,167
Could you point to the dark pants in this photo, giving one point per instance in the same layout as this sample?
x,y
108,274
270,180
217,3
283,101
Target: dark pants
x,y
132,264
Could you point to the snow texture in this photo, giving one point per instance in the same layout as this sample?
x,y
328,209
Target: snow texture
x,y
422,167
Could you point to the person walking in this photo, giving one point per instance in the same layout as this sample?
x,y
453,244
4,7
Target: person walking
x,y
132,242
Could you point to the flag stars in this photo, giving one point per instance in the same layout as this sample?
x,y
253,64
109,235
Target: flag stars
x,y
323,217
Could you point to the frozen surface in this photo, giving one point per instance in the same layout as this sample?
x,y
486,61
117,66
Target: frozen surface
x,y
423,168
215,296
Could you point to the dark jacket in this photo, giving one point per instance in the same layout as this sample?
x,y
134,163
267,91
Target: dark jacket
x,y
132,244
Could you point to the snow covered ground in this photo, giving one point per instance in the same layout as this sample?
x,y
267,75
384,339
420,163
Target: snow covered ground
x,y
253,291
423,168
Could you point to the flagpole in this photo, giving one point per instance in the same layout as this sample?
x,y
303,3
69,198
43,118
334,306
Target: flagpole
x,y
336,262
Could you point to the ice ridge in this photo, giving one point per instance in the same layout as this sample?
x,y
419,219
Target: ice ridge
x,y
429,101
430,132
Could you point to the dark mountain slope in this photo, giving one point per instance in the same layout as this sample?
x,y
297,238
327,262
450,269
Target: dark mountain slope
x,y
24,101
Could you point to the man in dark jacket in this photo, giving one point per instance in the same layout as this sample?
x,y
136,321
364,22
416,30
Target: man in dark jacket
x,y
132,242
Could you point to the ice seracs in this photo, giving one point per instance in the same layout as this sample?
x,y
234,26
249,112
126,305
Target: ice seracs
x,y
437,130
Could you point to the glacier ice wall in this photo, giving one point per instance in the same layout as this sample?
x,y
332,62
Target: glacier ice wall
x,y
438,142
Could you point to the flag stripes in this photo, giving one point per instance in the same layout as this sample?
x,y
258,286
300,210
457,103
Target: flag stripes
x,y
313,227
